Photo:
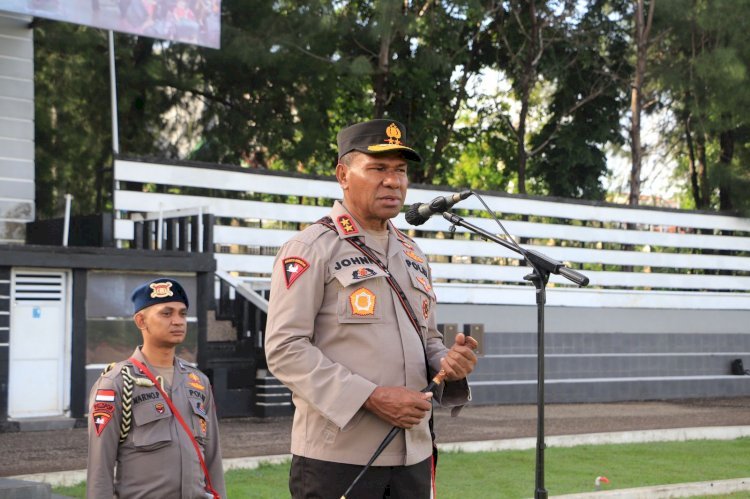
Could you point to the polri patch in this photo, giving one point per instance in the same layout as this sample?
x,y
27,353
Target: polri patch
x,y
204,427
347,225
294,267
362,302
425,308
101,414
105,396
159,408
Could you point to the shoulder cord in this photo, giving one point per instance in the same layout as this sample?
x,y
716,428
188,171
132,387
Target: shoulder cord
x,y
178,416
127,403
127,398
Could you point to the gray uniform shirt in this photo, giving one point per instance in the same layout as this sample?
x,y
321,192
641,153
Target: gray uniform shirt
x,y
157,459
336,331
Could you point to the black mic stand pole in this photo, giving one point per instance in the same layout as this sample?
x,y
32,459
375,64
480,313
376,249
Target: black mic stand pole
x,y
543,266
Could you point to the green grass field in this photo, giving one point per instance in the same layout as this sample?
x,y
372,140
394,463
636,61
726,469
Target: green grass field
x,y
510,474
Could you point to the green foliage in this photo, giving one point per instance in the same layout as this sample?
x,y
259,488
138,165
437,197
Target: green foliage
x,y
702,66
290,73
72,122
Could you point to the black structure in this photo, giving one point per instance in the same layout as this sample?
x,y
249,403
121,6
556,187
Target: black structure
x,y
80,261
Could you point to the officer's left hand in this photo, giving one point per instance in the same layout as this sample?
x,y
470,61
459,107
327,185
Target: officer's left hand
x,y
460,359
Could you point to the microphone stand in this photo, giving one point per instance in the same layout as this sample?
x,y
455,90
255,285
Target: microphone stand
x,y
543,266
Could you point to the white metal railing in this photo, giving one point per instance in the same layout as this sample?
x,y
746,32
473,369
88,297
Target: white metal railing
x,y
671,259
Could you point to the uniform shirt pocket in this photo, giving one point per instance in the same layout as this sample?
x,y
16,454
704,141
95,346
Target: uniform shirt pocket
x,y
152,425
360,295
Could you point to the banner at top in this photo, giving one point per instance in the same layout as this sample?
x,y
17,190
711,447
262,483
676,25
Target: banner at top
x,y
187,21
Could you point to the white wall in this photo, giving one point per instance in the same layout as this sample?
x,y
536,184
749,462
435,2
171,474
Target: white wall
x,y
16,126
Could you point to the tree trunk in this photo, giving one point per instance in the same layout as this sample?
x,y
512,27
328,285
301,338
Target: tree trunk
x,y
694,187
642,28
380,80
703,171
726,142
527,82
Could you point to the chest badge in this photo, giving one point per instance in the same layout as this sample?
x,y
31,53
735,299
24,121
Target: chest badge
x,y
363,273
414,256
294,267
425,308
362,302
424,283
195,381
159,408
200,407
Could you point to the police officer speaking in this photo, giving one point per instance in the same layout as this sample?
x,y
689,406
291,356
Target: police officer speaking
x,y
152,424
352,332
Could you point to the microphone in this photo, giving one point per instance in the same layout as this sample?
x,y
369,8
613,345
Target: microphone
x,y
419,213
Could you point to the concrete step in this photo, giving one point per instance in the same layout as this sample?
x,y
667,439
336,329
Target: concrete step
x,y
21,489
604,365
609,389
44,423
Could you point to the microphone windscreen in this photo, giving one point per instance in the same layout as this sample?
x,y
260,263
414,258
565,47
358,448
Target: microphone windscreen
x,y
413,216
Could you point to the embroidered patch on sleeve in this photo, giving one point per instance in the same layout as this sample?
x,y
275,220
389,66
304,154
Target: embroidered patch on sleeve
x,y
294,267
425,308
105,396
347,225
363,302
101,414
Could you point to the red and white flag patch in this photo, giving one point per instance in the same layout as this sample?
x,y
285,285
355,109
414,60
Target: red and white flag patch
x,y
294,267
101,414
105,396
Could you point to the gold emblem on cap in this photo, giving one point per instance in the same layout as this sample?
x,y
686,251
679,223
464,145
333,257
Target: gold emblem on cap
x,y
161,289
394,134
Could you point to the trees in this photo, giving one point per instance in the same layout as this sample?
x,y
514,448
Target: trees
x,y
703,73
292,72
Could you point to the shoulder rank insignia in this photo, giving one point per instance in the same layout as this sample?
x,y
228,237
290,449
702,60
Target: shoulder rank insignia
x,y
347,225
108,368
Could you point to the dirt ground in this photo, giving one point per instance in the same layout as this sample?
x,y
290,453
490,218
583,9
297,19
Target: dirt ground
x,y
44,451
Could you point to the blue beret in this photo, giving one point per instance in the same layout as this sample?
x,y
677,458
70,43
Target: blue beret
x,y
162,290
